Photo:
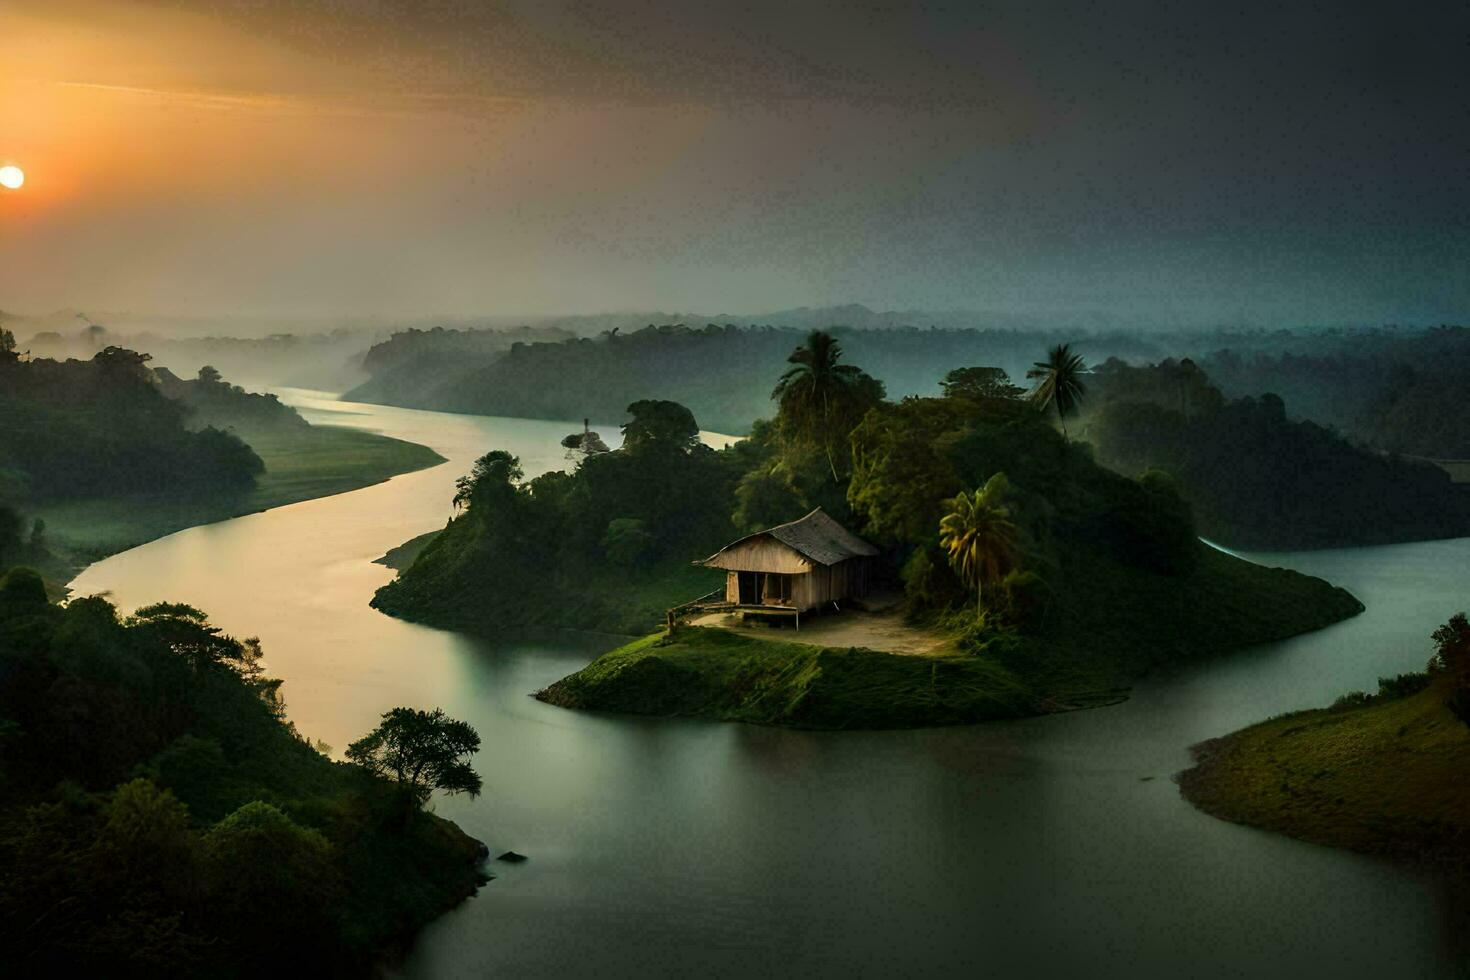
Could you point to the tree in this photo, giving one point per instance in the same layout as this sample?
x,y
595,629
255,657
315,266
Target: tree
x,y
660,423
819,398
420,751
979,382
1452,661
495,473
208,375
627,542
979,535
1059,382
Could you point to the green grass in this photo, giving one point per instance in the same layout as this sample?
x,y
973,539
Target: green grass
x,y
712,673
300,465
605,599
1389,777
1107,625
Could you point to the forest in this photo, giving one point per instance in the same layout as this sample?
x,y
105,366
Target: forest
x,y
159,816
1256,477
103,427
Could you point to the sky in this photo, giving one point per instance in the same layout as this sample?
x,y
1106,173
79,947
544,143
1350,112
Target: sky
x,y
1167,164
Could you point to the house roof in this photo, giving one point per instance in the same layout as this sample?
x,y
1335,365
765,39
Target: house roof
x,y
816,537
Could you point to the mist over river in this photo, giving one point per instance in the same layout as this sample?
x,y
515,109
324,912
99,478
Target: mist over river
x,y
1052,846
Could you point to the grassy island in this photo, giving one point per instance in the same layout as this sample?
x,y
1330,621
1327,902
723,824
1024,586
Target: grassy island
x,y
1380,773
1073,661
1050,581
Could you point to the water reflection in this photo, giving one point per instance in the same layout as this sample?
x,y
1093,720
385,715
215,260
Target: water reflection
x,y
1050,846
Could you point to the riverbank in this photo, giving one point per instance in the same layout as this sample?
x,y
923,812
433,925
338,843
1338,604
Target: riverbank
x,y
303,464
1076,660
1387,777
705,672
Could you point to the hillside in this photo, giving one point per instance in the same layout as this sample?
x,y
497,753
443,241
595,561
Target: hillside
x,y
162,818
1386,776
1256,477
106,454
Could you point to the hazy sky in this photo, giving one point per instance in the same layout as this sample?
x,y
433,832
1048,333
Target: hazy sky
x,y
1185,162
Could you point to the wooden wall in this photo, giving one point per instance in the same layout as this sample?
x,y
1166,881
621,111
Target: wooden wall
x,y
817,587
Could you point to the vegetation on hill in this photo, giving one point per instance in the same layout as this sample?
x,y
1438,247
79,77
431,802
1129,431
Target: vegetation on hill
x,y
300,464
711,673
720,371
410,367
1255,477
1385,388
215,403
159,816
1383,773
607,546
103,427
103,455
1101,578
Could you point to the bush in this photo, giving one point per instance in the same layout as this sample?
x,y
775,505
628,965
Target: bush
x,y
1452,661
928,582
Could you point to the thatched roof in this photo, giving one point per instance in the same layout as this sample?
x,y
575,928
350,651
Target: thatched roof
x,y
816,538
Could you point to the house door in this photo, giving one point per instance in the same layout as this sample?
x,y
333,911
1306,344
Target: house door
x,y
748,585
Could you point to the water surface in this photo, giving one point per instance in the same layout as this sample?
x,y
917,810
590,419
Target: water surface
x,y
1045,847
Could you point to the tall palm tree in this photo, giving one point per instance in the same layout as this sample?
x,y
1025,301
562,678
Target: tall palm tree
x,y
814,392
1059,382
979,536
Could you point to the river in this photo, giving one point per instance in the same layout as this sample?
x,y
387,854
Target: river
x,y
1053,846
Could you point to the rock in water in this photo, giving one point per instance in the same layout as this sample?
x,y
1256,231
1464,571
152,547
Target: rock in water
x,y
512,857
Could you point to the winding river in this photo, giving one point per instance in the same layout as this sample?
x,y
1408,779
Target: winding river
x,y
1055,846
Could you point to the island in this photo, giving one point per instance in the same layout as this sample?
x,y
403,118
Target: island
x,y
1381,773
1007,572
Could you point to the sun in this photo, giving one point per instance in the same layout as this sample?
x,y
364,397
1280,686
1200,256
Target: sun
x,y
12,177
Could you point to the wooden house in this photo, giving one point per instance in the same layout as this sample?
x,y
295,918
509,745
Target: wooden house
x,y
795,567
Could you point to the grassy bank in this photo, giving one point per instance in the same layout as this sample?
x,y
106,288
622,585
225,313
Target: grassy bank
x,y
1111,625
606,600
300,465
1387,777
712,673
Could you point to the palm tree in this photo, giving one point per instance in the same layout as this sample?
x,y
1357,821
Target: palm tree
x,y
1059,382
815,389
979,535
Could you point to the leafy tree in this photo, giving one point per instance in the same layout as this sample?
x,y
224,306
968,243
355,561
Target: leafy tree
x,y
766,497
660,423
979,382
209,376
1059,382
10,528
821,400
270,877
421,751
627,542
493,476
979,535
1452,662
